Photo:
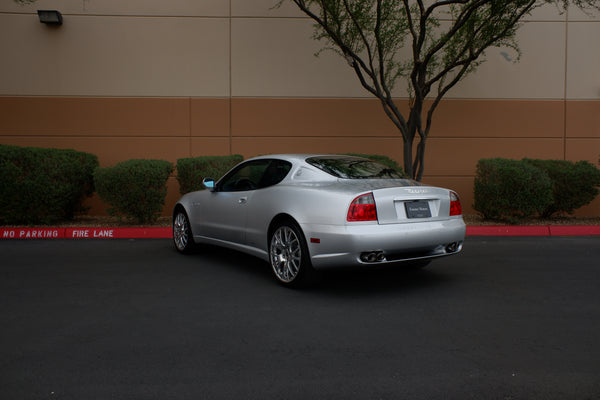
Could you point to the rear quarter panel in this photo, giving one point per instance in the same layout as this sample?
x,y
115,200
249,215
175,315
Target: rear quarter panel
x,y
305,203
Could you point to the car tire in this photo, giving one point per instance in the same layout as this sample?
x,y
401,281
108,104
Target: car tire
x,y
182,232
289,257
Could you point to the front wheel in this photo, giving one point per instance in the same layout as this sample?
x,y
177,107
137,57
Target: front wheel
x,y
289,256
182,233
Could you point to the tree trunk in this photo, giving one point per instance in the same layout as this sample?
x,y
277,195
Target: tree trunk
x,y
407,154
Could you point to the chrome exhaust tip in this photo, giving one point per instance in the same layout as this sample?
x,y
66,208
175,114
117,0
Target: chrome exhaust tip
x,y
372,256
453,247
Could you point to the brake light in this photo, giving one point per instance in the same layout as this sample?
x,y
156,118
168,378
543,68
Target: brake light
x,y
455,207
363,208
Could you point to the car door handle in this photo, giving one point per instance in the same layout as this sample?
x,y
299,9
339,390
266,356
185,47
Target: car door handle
x,y
243,200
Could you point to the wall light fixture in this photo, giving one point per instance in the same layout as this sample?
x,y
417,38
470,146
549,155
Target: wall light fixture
x,y
50,17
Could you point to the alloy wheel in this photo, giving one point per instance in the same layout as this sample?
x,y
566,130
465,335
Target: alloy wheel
x,y
181,232
286,254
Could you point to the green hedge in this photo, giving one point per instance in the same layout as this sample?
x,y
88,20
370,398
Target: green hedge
x,y
191,171
574,184
385,160
43,186
510,190
135,189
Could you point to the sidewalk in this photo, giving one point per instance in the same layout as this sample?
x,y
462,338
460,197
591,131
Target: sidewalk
x,y
166,232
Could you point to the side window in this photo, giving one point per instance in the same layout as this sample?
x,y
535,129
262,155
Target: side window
x,y
275,172
246,177
254,175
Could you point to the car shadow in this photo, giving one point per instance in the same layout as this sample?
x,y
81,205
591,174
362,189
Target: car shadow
x,y
378,281
232,260
365,281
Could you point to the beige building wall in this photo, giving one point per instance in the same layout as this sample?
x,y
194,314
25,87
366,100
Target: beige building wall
x,y
155,79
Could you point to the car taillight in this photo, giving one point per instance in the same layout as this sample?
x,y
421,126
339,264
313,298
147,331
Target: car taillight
x,y
363,208
455,207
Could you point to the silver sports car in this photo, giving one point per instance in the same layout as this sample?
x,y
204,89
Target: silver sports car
x,y
300,212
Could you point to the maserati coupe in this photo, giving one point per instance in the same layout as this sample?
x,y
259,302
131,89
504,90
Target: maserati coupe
x,y
302,213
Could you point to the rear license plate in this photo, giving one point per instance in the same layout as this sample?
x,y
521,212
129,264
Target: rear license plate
x,y
417,209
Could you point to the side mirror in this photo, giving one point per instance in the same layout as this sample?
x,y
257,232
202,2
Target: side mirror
x,y
209,183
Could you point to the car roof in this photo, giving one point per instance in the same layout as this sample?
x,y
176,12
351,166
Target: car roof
x,y
298,157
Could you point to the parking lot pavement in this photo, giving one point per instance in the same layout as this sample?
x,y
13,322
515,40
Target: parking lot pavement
x,y
509,318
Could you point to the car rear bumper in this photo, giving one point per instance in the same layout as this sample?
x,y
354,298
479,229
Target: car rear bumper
x,y
367,243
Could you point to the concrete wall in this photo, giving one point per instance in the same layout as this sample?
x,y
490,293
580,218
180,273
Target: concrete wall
x,y
155,79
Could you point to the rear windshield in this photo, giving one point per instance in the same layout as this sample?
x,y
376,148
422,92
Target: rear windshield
x,y
354,168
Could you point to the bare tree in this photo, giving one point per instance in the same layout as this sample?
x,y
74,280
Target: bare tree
x,y
446,40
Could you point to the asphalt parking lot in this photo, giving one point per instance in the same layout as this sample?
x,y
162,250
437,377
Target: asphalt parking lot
x,y
509,318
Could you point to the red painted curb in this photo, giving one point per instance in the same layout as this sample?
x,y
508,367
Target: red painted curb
x,y
86,233
166,232
32,233
576,230
502,230
118,233
543,230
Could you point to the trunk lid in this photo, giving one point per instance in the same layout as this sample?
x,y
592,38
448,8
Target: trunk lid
x,y
411,204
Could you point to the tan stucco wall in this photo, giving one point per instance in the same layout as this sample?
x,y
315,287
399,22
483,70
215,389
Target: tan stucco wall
x,y
117,129
155,79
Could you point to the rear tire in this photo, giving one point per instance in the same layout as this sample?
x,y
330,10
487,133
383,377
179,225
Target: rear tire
x,y
289,257
182,232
